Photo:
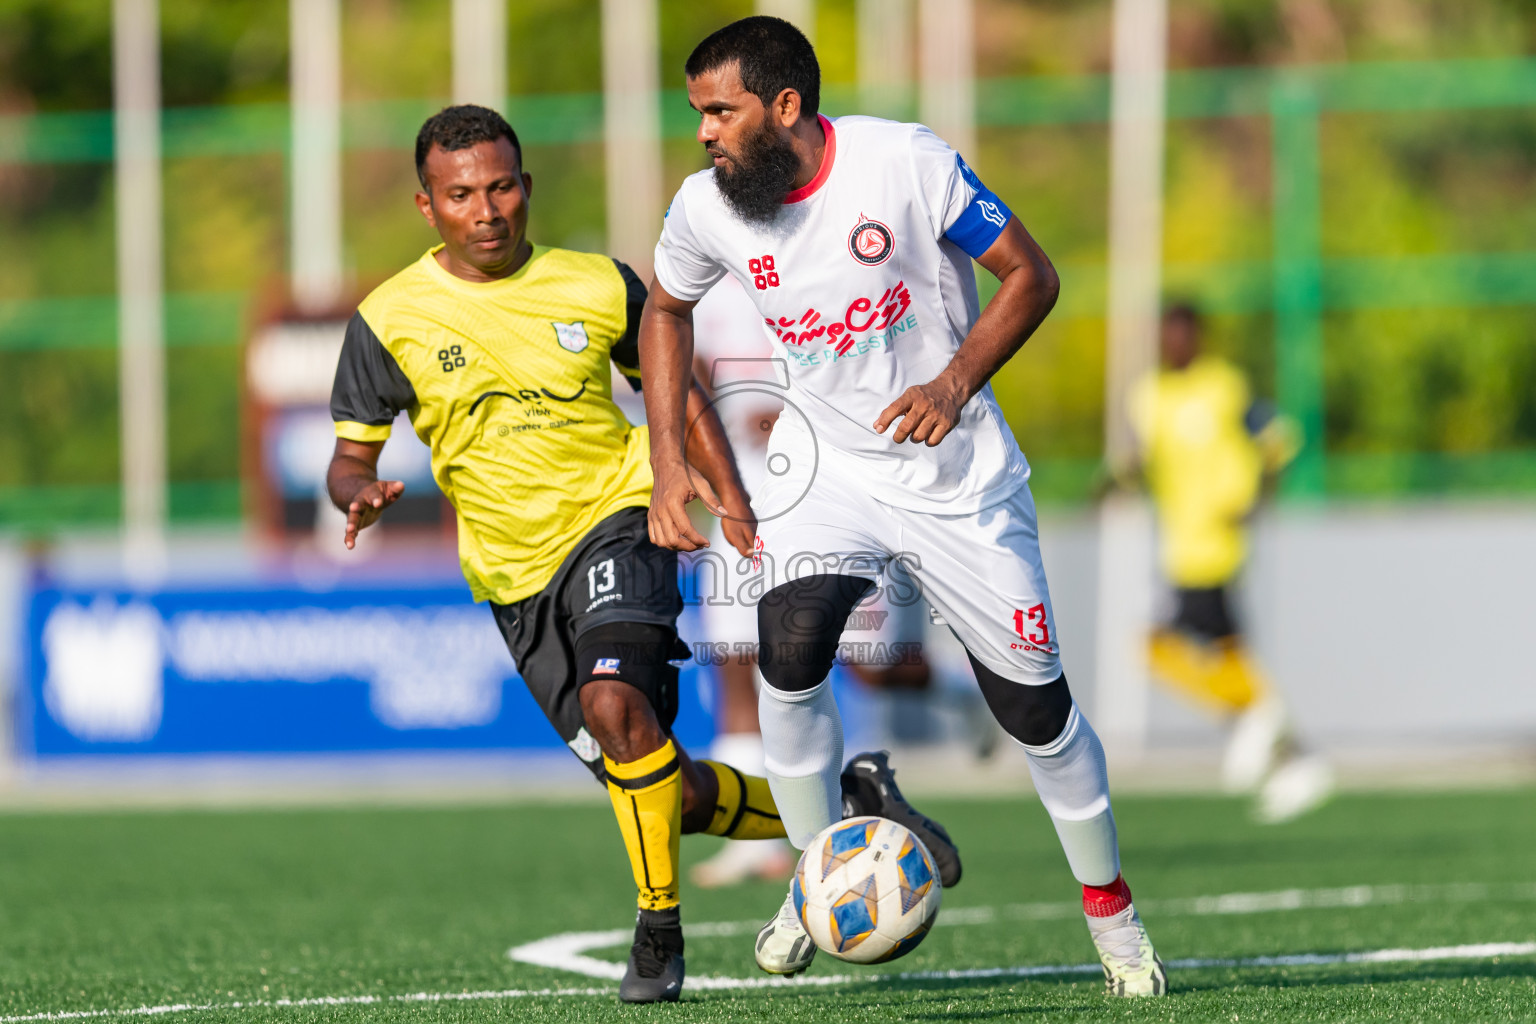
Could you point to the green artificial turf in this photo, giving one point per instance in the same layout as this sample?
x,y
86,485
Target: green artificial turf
x,y
118,911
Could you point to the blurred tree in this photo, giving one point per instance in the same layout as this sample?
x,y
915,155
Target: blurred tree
x,y
1430,380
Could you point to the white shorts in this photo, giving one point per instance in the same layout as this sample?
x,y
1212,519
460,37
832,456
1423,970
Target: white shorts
x,y
981,571
881,622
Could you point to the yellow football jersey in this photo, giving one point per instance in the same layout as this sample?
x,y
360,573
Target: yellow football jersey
x,y
1203,467
508,383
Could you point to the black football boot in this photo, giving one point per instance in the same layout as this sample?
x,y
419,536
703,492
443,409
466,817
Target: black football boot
x,y
869,787
655,971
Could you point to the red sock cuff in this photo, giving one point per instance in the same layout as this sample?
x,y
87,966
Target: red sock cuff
x,y
1106,900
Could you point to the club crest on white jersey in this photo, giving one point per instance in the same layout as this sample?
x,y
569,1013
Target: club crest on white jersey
x,y
871,242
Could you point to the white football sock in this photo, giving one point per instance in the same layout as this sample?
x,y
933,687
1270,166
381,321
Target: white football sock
x,y
741,750
803,757
1070,777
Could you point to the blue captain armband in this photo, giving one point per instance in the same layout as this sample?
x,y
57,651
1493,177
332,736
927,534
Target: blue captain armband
x,y
977,228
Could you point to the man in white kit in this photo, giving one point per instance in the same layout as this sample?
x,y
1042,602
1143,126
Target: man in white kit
x,y
733,359
882,646
855,239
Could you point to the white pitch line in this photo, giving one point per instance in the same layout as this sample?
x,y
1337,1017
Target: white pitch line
x,y
568,951
1480,951
1342,898
413,997
1350,896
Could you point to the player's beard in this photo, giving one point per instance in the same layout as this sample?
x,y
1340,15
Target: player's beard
x,y
763,173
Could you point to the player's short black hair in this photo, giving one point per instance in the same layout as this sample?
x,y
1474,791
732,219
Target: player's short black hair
x,y
1184,311
772,54
460,127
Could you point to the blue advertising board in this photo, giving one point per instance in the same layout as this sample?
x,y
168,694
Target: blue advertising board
x,y
268,670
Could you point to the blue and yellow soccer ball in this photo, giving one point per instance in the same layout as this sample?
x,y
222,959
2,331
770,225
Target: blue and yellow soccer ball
x,y
866,890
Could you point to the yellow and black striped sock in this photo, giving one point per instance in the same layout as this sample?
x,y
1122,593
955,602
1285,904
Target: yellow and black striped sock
x,y
647,800
745,808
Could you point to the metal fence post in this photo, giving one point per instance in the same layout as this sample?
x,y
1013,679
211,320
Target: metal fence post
x,y
1298,297
140,281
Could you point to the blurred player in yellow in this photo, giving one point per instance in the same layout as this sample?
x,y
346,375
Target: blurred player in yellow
x,y
499,351
1206,447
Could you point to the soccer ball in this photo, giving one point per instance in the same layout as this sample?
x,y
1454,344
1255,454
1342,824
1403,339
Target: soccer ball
x,y
866,890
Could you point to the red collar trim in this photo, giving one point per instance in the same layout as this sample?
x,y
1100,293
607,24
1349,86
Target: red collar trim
x,y
824,171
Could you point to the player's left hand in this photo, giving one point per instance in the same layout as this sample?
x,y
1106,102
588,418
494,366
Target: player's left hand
x,y
928,412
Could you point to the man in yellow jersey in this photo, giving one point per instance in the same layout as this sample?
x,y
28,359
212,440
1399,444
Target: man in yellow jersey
x,y
1206,446
499,349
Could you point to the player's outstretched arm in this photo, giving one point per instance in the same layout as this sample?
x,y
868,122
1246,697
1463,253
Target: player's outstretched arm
x,y
353,483
1029,286
666,366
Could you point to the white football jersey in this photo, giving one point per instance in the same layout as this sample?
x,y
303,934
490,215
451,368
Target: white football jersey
x,y
865,286
734,356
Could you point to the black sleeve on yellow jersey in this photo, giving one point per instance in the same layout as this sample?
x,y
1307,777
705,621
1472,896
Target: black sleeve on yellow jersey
x,y
626,351
370,389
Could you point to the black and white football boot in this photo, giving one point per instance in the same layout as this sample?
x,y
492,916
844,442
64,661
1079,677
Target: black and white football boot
x,y
869,787
655,971
783,945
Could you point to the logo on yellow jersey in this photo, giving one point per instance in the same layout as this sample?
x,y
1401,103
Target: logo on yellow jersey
x,y
529,395
572,337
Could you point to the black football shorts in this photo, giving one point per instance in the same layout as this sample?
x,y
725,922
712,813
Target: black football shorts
x,y
1204,613
614,576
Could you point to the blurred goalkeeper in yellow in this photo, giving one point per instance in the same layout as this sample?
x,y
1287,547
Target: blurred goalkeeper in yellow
x,y
499,351
1206,447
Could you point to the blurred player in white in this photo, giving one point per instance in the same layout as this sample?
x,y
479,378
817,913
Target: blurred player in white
x,y
883,646
854,239
732,355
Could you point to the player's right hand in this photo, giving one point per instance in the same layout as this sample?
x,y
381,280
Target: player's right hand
x,y
668,519
367,505
738,522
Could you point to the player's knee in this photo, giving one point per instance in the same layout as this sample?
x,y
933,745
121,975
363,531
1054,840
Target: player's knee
x,y
1032,714
798,626
620,720
625,681
795,667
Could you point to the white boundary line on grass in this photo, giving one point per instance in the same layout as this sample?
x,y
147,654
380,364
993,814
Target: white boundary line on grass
x,y
1480,951
567,952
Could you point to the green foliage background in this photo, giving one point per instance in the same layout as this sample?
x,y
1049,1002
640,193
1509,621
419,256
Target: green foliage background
x,y
1421,398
